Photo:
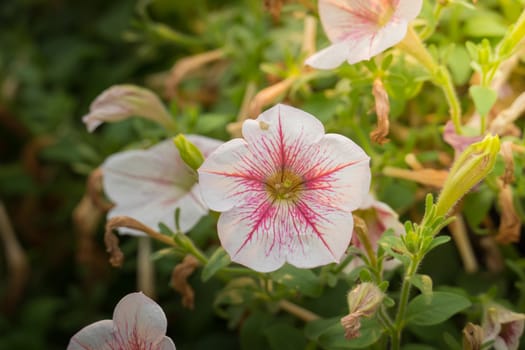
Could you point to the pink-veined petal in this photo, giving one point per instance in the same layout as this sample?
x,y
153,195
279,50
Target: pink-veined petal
x,y
361,29
264,237
344,20
392,33
279,129
408,9
224,180
335,171
166,344
278,138
139,321
331,57
96,336
314,231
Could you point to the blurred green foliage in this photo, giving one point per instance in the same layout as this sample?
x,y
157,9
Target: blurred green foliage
x,y
57,56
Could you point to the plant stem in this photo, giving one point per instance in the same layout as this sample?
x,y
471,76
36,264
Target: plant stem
x,y
413,45
403,302
298,311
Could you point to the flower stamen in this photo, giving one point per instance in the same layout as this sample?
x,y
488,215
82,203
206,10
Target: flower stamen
x,y
284,185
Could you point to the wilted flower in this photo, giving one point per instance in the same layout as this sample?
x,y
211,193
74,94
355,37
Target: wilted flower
x,y
378,217
361,29
503,326
148,185
138,323
286,191
121,102
363,301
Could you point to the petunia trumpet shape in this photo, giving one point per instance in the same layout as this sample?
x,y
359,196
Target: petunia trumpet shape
x,y
286,191
138,324
360,29
148,185
503,326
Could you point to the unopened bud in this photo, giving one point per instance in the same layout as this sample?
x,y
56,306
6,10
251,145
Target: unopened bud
x,y
472,166
121,102
189,153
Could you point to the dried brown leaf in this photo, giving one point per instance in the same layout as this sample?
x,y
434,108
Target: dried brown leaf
x,y
510,225
179,280
382,106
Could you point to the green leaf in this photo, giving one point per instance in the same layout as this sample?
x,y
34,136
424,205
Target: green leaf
x,y
424,311
423,283
251,337
304,281
483,97
217,261
476,206
437,241
283,336
330,334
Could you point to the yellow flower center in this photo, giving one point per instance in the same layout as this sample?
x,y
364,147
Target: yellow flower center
x,y
284,185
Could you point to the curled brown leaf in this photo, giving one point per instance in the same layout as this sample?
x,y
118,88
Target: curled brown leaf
x,y
382,106
510,225
179,280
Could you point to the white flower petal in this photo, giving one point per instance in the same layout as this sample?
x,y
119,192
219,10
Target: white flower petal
x,y
139,320
348,20
337,172
331,57
279,128
148,185
388,36
408,9
228,176
312,232
264,237
96,336
361,29
166,344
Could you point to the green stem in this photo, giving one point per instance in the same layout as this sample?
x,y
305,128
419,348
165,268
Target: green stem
x,y
339,268
413,45
403,303
445,81
430,28
386,320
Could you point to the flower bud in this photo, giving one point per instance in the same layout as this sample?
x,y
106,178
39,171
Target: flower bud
x,y
470,167
189,153
121,102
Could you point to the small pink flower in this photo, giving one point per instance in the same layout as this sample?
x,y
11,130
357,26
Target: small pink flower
x,y
286,191
503,326
458,142
360,29
138,324
121,102
378,217
148,185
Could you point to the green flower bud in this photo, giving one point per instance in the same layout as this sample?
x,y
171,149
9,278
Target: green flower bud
x,y
472,166
189,153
